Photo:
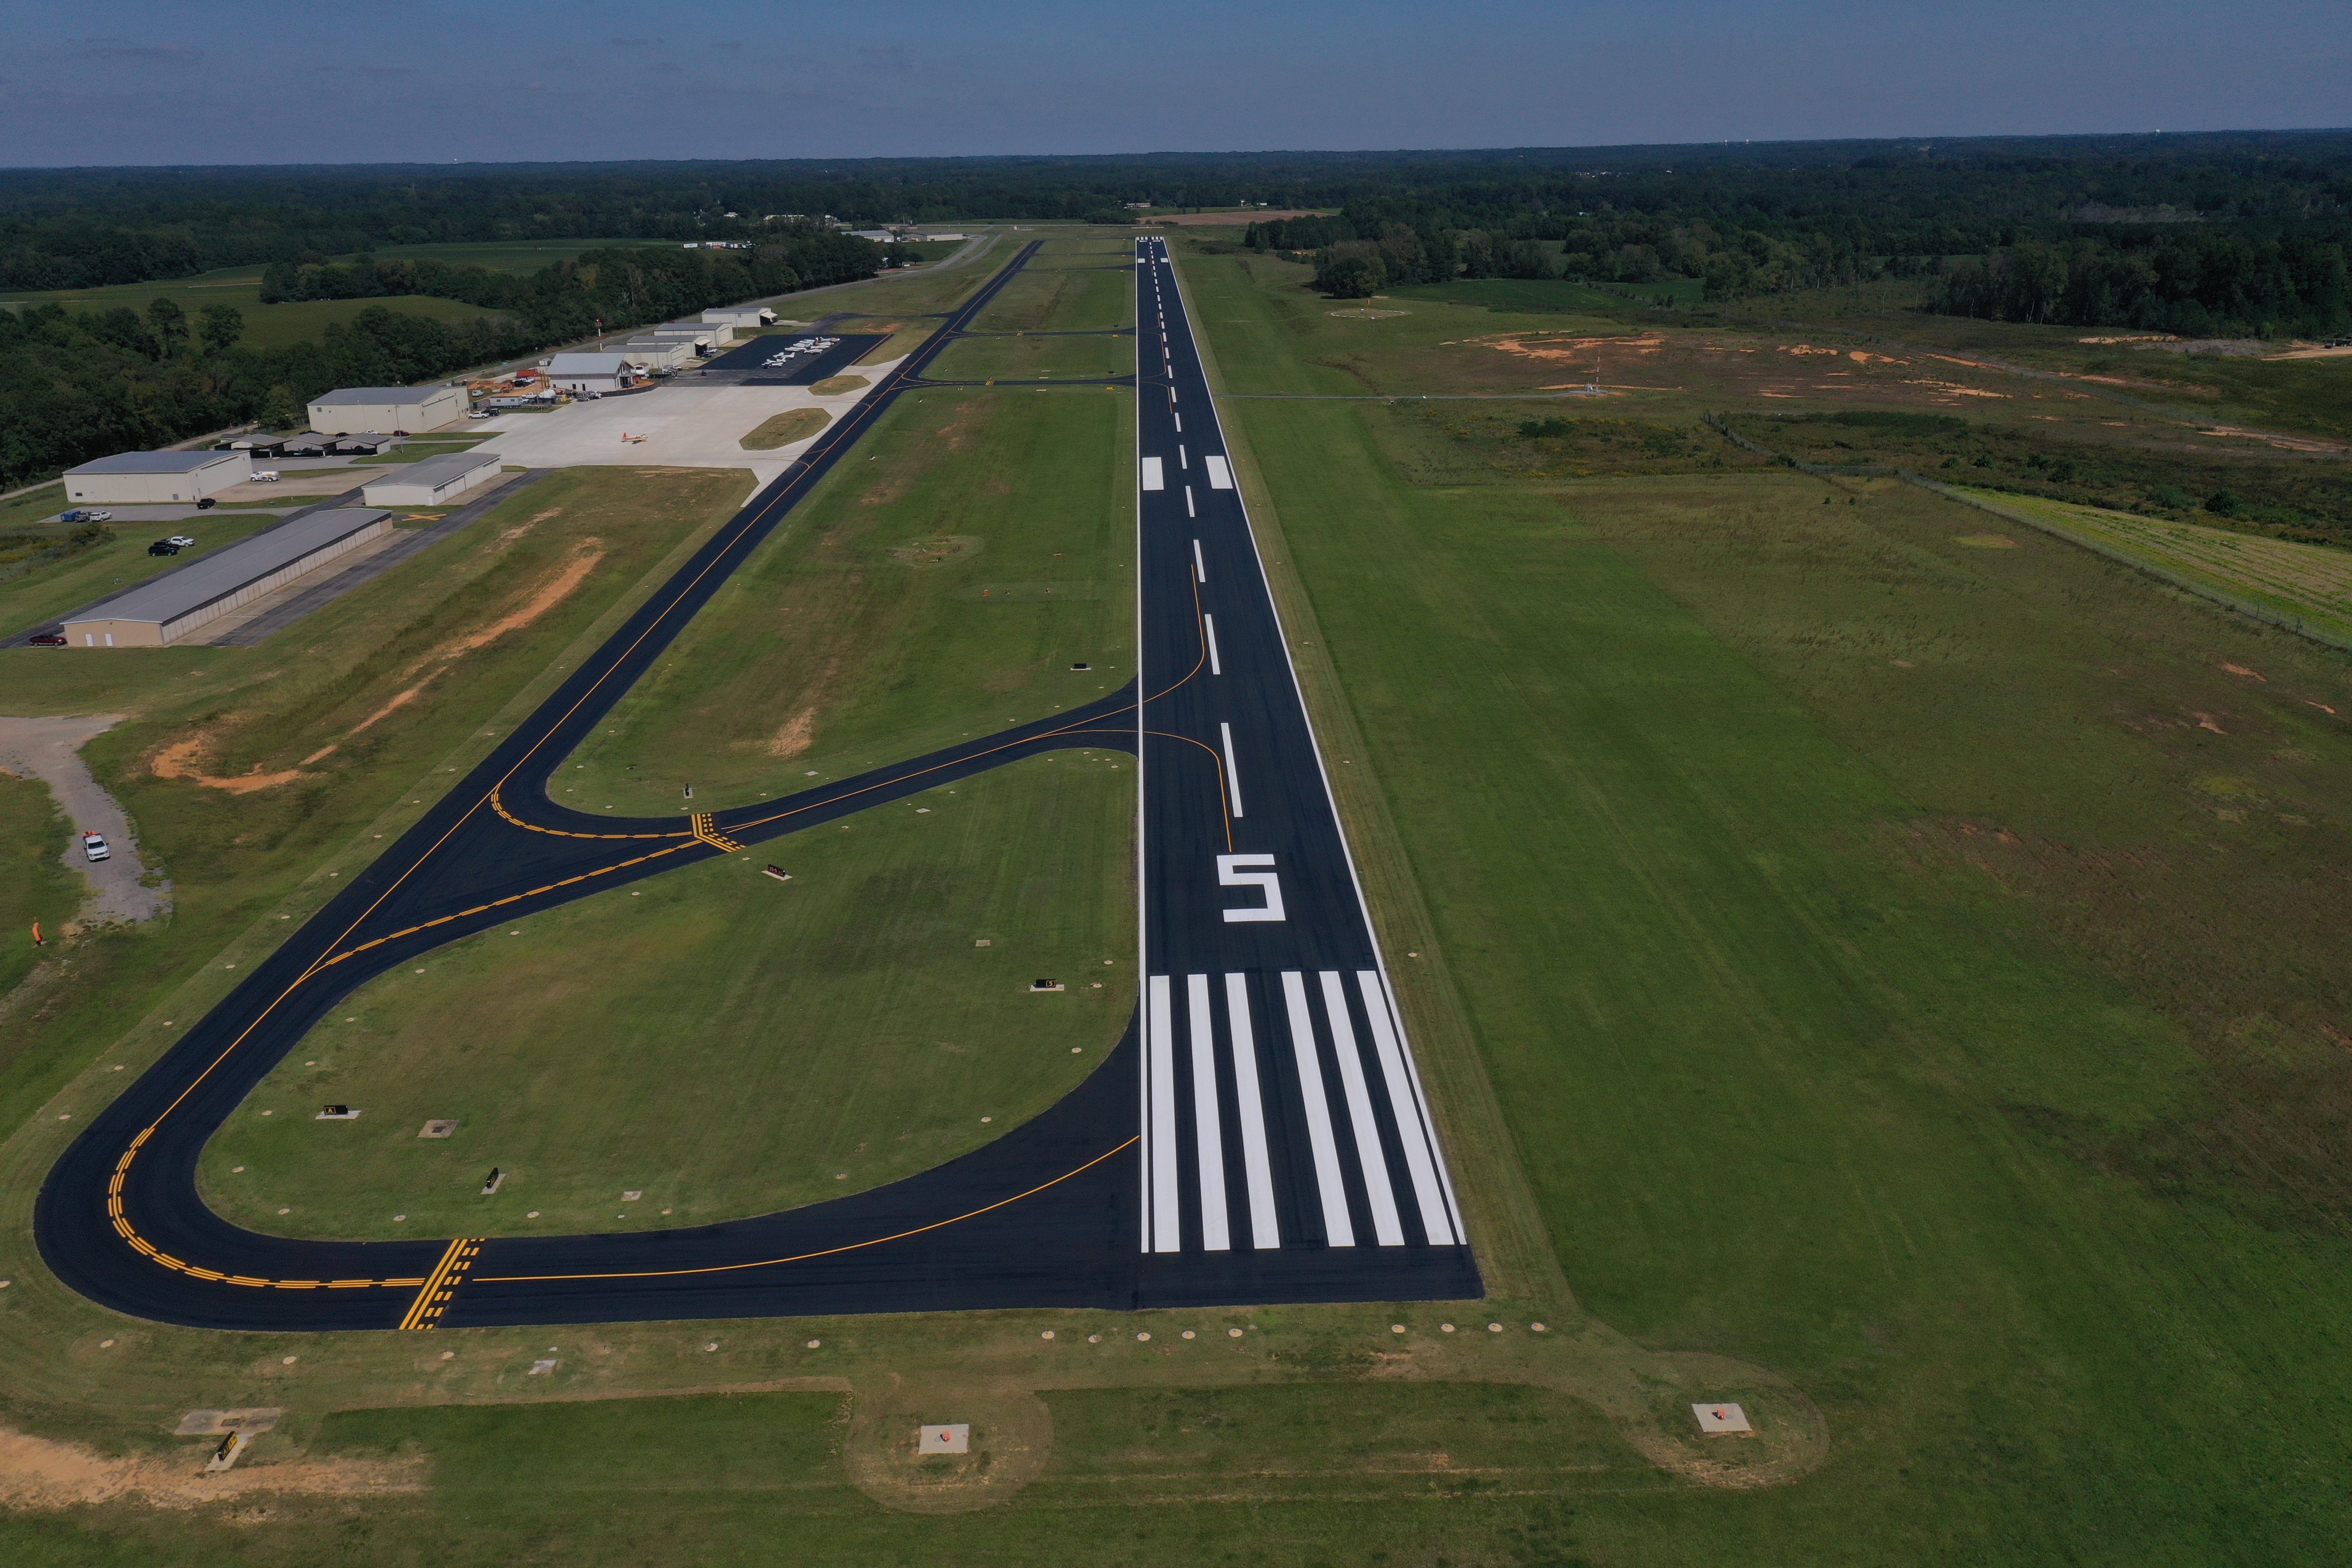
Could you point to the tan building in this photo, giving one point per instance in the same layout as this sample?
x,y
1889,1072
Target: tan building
x,y
435,482
356,408
174,607
152,479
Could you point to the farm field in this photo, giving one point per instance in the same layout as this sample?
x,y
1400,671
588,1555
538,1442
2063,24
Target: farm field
x,y
266,326
732,1044
2310,582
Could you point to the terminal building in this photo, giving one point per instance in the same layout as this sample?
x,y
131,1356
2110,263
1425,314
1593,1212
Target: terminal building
x,y
353,408
435,482
152,479
176,605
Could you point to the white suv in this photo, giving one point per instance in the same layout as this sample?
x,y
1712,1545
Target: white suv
x,y
95,846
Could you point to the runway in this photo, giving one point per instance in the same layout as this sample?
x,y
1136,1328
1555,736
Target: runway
x,y
1280,1152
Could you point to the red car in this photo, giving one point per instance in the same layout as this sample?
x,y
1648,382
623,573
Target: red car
x,y
47,639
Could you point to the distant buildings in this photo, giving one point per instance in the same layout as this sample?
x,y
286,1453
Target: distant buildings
x,y
591,373
355,408
172,607
136,479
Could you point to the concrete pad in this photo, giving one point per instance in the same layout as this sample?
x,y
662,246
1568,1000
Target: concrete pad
x,y
684,425
1721,1420
955,1439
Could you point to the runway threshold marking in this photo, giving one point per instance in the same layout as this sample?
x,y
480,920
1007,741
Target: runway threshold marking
x,y
825,1252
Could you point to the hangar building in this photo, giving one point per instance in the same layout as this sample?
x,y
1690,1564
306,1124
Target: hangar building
x,y
145,479
435,482
171,608
352,408
590,373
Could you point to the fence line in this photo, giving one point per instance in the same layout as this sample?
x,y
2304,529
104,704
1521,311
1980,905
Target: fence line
x,y
2057,531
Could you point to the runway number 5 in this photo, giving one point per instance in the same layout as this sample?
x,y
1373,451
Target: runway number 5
x,y
1230,874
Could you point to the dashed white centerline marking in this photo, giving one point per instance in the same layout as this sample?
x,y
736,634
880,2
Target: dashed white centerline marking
x,y
1188,502
1182,461
1209,624
1179,424
1199,572
1232,779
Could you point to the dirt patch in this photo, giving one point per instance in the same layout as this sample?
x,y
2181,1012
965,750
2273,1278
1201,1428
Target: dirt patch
x,y
182,760
49,750
935,551
783,429
39,1473
1560,349
1987,541
1362,315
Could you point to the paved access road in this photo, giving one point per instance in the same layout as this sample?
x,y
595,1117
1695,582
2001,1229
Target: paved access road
x,y
1048,1215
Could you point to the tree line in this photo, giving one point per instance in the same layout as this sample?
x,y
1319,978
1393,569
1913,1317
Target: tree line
x,y
75,385
85,227
2197,283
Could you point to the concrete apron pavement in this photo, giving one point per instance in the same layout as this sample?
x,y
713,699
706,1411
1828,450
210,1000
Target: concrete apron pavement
x,y
682,424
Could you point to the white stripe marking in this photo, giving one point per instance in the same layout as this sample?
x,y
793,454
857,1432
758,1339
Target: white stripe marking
x,y
1200,571
1167,1226
1208,1130
1179,424
1436,1150
1210,624
1386,1226
1188,502
1337,1230
1232,778
1221,473
1257,1170
1155,473
1405,1104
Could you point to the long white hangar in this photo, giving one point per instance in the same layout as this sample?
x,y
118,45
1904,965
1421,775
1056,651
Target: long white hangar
x,y
174,606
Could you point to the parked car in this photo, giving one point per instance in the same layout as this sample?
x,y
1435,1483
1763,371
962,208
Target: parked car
x,y
266,477
47,639
95,846
480,414
162,547
83,514
182,539
205,503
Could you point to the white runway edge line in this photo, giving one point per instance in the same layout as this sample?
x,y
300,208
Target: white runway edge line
x,y
1209,626
1155,474
1319,1118
1221,473
1208,1129
1232,777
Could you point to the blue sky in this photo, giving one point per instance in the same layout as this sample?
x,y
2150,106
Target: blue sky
x,y
238,81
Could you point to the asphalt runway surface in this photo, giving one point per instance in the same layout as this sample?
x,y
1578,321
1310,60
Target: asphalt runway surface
x,y
1298,1103
801,369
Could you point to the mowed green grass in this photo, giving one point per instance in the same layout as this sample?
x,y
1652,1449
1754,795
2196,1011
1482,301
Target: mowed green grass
x,y
1064,299
1035,358
940,584
1791,1087
35,884
725,1043
120,564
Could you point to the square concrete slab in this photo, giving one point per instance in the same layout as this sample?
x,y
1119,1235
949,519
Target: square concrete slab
x,y
437,1129
949,1439
1721,1420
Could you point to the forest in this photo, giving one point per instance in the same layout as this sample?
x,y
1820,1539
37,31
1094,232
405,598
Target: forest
x,y
75,385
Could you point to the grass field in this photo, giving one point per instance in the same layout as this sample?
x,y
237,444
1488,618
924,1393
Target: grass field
x,y
120,562
729,1045
34,882
1064,301
943,585
1036,358
1864,993
783,429
2310,582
